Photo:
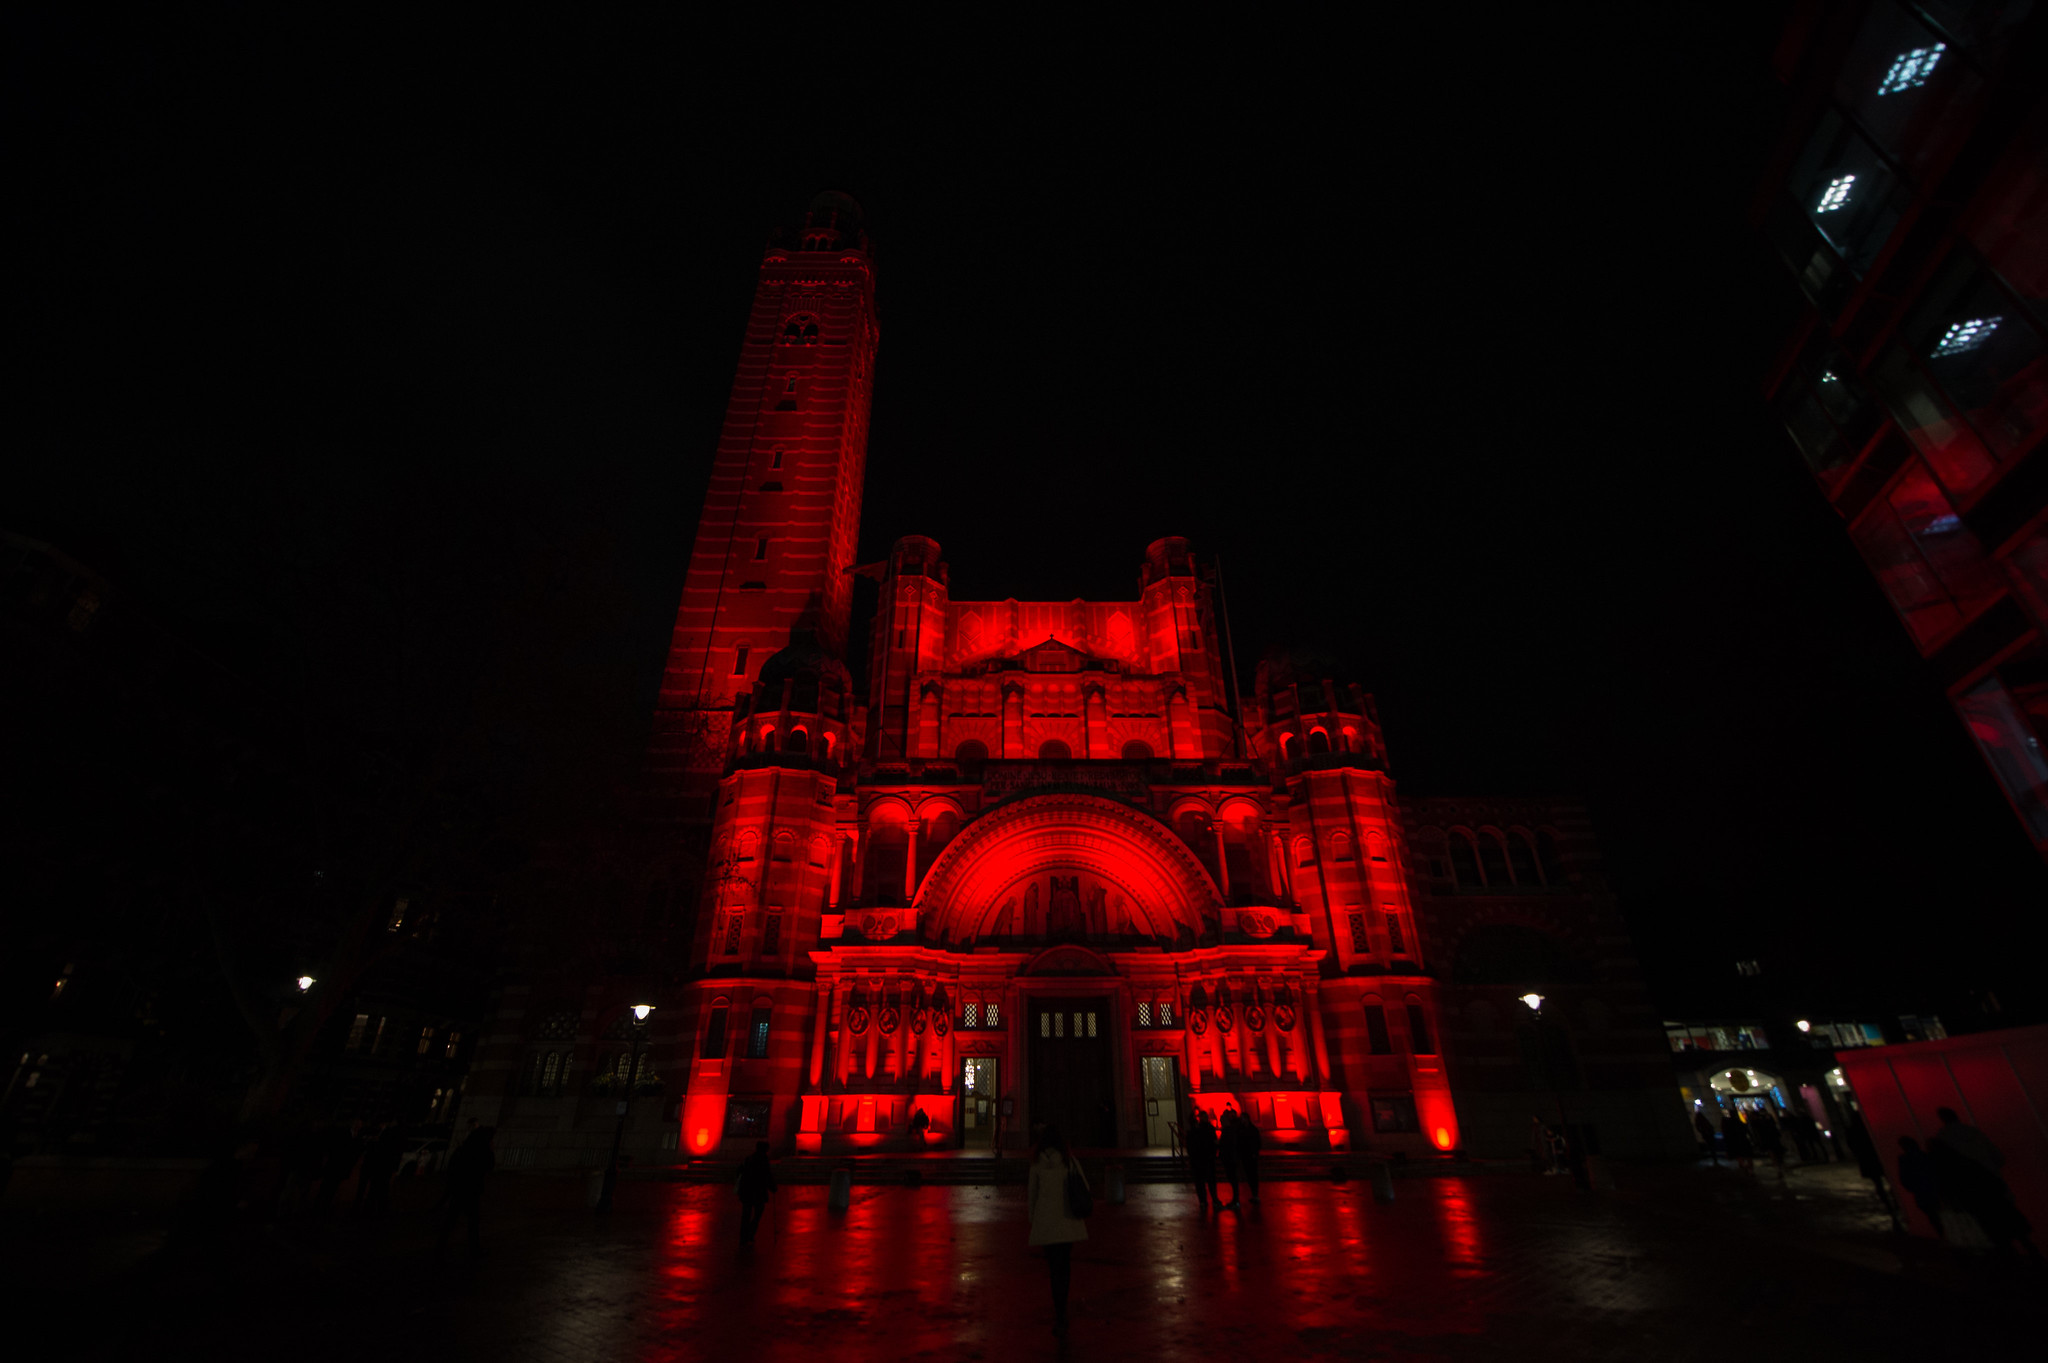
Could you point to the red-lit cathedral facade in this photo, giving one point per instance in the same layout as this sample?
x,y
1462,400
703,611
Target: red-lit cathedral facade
x,y
1030,867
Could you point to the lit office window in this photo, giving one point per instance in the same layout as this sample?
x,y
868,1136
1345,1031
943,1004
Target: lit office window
x,y
1911,69
1836,194
1962,336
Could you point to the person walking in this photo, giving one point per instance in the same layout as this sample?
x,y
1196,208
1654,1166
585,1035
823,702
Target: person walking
x,y
1969,1168
1869,1164
1735,1136
344,1146
1202,1159
1226,1154
468,1167
1248,1142
1921,1181
757,1181
380,1166
1054,1227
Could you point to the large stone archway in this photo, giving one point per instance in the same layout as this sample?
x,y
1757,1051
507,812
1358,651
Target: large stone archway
x,y
1066,866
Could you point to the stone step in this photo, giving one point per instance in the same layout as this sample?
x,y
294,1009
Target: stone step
x,y
953,1169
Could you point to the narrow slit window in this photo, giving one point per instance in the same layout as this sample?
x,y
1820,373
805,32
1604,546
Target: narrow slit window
x,y
1395,943
760,548
988,1014
739,661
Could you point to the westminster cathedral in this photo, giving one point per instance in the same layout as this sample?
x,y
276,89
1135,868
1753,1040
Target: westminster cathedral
x,y
1041,861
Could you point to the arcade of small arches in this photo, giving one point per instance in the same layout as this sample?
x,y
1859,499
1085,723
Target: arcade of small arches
x,y
1501,860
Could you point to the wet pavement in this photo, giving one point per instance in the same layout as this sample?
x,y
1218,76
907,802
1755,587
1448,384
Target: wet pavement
x,y
1678,1263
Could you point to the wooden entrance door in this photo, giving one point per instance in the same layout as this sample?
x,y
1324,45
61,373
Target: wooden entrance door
x,y
1071,1081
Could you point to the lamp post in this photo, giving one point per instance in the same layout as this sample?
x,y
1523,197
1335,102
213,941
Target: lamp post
x,y
611,1168
1575,1159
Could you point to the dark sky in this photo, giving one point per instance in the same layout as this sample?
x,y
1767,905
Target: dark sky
x,y
1447,338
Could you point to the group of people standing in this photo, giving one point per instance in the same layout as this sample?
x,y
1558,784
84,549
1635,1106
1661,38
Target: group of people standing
x,y
1234,1150
1958,1183
1757,1134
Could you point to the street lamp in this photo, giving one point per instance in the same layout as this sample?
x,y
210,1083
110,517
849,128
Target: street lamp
x,y
1804,1025
306,982
611,1168
1574,1157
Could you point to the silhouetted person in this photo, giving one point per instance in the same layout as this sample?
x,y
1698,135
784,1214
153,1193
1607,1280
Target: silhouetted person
x,y
380,1165
920,1123
1705,1130
1968,1168
1867,1162
1735,1137
1053,1224
1921,1181
468,1167
1202,1158
1248,1143
344,1146
1769,1141
1227,1152
757,1181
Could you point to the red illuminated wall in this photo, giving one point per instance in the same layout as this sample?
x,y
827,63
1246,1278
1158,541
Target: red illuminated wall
x,y
782,512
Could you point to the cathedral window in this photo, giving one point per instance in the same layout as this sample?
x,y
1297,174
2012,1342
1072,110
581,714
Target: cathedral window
x,y
1165,1014
1052,750
1522,860
972,1016
1464,863
1287,747
1493,860
732,935
1340,847
1360,942
739,661
760,548
1137,750
775,462
757,1035
798,741
800,330
1144,1012
971,755
1304,852
1420,1038
1395,942
1318,741
988,1015
1377,1039
714,1034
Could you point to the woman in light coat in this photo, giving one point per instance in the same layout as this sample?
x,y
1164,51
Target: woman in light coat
x,y
1045,1195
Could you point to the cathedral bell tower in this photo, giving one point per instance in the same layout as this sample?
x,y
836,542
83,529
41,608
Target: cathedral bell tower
x,y
782,512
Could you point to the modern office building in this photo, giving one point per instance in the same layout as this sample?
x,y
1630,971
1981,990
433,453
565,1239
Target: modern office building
x,y
1908,200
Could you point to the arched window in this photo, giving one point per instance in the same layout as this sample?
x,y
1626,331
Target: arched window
x,y
1350,739
827,744
888,844
767,738
800,330
821,850
1137,750
1340,847
1546,853
1318,741
1287,747
1464,863
1052,750
748,841
1304,852
1522,859
971,755
797,741
1421,1036
934,831
714,1033
739,661
1240,826
784,846
1199,834
1493,860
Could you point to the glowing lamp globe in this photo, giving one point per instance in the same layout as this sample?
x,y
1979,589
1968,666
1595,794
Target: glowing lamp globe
x,y
1535,1001
641,1010
1804,1025
305,983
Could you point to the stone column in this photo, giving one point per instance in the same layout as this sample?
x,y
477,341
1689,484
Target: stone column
x,y
825,993
1312,1012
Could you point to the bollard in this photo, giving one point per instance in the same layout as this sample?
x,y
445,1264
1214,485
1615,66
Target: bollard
x,y
1113,1180
842,1190
1382,1181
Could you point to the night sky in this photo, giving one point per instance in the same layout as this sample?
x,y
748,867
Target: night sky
x,y
368,352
